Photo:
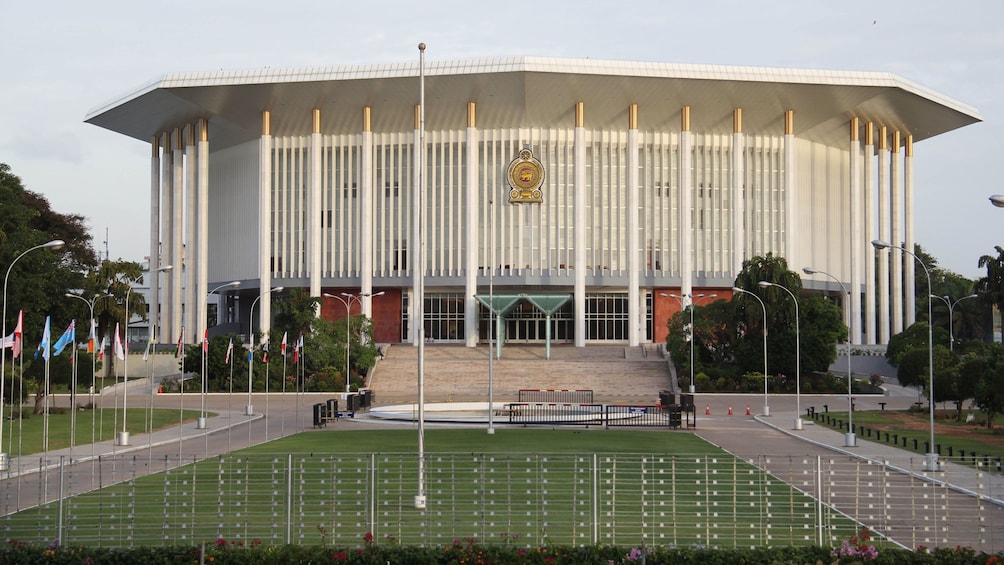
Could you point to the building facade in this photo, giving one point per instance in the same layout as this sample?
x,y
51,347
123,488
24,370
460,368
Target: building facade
x,y
588,192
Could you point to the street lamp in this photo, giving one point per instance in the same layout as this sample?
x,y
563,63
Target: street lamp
x,y
766,409
250,408
798,355
54,244
347,302
123,438
931,460
951,315
849,439
201,422
90,305
692,332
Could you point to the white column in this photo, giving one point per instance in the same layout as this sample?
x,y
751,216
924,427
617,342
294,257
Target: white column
x,y
177,233
367,218
909,268
869,256
884,235
414,248
190,309
314,209
738,190
166,240
855,236
896,237
579,180
265,224
472,206
202,232
791,251
686,207
155,236
636,329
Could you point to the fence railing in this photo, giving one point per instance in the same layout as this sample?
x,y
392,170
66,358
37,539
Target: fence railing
x,y
523,499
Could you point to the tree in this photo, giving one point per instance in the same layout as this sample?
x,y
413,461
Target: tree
x,y
990,390
913,371
914,337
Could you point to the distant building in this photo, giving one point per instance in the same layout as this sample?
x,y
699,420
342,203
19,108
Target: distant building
x,y
585,192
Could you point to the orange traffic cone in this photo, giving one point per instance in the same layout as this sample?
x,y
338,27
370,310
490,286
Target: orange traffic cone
x,y
160,390
747,409
730,409
707,410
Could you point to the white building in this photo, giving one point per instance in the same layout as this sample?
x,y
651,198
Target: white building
x,y
656,179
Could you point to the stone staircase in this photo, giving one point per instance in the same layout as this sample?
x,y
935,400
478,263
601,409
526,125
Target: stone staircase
x,y
454,372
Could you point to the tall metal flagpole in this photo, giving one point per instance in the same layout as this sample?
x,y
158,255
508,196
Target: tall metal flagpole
x,y
420,287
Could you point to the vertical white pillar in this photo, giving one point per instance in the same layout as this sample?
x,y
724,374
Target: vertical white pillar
x,y
314,209
896,236
167,240
579,181
265,224
686,206
190,309
884,235
636,331
155,237
909,268
791,251
177,244
869,256
202,233
738,191
414,248
856,240
473,205
367,218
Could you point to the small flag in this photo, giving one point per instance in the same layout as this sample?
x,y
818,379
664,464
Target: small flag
x,y
68,337
250,354
93,336
296,349
149,346
282,346
230,350
181,338
264,356
18,334
119,351
205,342
43,346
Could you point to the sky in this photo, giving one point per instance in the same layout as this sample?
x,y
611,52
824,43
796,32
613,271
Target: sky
x,y
63,59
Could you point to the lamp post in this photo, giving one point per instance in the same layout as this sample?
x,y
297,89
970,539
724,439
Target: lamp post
x,y
798,355
849,439
90,305
347,302
766,408
123,438
951,315
201,422
692,332
54,244
931,459
249,409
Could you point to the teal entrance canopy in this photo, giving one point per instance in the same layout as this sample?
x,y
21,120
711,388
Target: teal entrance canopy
x,y
502,304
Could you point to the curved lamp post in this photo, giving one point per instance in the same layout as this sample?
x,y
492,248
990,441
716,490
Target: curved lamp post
x,y
54,244
123,438
201,422
849,438
951,315
692,332
931,459
347,302
249,409
798,355
766,408
94,358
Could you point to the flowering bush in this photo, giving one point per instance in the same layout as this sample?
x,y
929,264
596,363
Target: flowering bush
x,y
857,547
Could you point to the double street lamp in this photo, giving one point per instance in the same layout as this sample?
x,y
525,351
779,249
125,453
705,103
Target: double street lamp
x,y
798,355
931,459
347,302
54,244
94,357
849,439
766,409
249,409
692,332
951,315
201,422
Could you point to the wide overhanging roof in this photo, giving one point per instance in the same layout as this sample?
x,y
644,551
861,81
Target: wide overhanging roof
x,y
532,92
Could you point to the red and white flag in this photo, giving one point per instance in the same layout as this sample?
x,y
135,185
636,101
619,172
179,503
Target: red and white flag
x,y
296,350
18,334
282,346
205,342
119,350
181,338
230,350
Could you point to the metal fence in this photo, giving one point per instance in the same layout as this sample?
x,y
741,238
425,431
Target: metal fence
x,y
528,500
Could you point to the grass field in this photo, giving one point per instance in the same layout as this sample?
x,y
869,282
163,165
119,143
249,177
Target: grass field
x,y
524,486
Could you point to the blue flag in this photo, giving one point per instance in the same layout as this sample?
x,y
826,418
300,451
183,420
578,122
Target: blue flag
x,y
68,337
43,346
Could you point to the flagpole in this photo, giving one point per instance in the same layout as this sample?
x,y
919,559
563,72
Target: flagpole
x,y
420,500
